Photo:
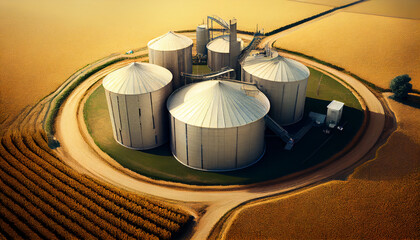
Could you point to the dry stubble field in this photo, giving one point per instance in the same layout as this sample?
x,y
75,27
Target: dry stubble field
x,y
373,47
379,200
391,8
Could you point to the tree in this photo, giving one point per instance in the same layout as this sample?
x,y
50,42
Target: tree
x,y
400,86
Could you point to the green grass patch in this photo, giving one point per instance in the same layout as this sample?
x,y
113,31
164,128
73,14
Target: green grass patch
x,y
201,69
160,164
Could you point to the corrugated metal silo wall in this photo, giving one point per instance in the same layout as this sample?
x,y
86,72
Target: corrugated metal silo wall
x,y
217,148
202,40
216,60
139,121
175,61
287,99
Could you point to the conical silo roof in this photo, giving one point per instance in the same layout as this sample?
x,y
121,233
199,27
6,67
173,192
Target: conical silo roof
x,y
137,78
278,68
170,42
220,44
218,104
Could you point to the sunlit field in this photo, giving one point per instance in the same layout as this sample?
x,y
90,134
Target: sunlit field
x,y
372,47
400,9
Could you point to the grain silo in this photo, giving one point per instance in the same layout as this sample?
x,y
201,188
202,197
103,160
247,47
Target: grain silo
x,y
174,52
202,36
284,82
136,95
217,125
224,50
218,55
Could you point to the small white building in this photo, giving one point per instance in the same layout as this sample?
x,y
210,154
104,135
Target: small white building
x,y
334,112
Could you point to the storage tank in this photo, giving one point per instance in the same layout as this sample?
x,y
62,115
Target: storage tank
x,y
136,95
218,55
217,125
284,82
202,34
174,52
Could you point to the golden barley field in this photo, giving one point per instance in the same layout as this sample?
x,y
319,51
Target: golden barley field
x,y
373,47
400,9
43,42
380,200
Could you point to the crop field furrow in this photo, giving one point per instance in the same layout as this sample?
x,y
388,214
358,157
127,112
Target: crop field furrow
x,y
156,207
35,206
20,218
102,196
7,231
20,207
24,231
131,202
88,198
35,153
52,226
115,214
33,184
50,205
73,199
25,218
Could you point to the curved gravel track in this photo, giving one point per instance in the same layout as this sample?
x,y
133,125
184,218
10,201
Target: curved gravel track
x,y
79,151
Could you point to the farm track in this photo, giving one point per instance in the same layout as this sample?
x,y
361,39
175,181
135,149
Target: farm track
x,y
43,198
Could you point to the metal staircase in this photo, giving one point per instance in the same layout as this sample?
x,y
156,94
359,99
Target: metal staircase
x,y
251,46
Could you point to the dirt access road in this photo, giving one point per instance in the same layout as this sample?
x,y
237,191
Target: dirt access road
x,y
79,150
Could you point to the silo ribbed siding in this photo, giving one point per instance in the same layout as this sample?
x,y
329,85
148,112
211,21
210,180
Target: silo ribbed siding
x,y
283,80
136,97
217,60
202,35
218,52
216,126
174,52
